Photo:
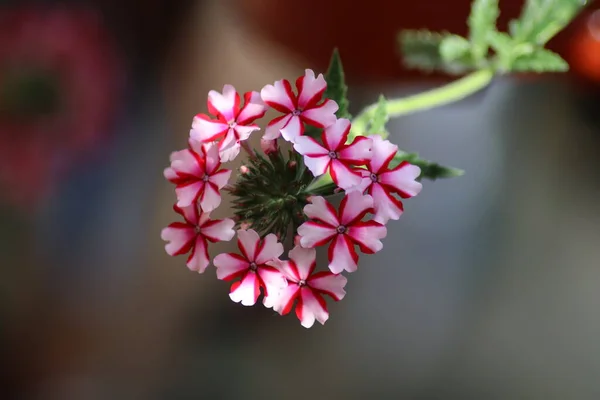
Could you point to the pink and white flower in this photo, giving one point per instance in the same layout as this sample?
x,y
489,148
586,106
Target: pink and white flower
x,y
307,287
194,234
335,155
252,267
344,229
298,109
382,182
233,124
196,174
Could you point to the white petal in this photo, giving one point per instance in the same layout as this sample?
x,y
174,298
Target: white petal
x,y
402,178
308,146
386,205
279,96
310,88
317,165
287,268
231,153
322,115
220,178
330,284
354,206
254,108
187,163
210,198
243,131
246,291
189,213
198,259
248,242
284,300
367,235
218,230
293,129
207,130
343,176
273,280
179,236
187,194
342,256
383,152
229,265
304,260
359,152
170,174
311,308
270,249
336,135
320,209
273,130
314,234
226,103
210,151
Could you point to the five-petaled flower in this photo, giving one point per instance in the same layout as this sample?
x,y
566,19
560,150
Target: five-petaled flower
x,y
381,181
233,124
194,234
298,109
335,155
196,174
344,229
252,267
307,287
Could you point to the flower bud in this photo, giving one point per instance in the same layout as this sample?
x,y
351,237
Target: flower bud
x,y
268,146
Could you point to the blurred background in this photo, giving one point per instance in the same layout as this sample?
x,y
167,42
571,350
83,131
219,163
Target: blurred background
x,y
487,288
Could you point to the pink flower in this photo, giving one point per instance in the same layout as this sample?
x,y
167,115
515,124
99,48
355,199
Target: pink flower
x,y
251,267
233,124
194,234
344,229
307,287
298,109
335,155
382,183
196,173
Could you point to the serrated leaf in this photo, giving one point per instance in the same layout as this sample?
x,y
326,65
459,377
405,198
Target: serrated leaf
x,y
421,50
336,85
429,170
541,60
379,119
453,48
482,20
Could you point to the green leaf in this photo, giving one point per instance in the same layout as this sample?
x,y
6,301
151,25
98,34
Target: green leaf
x,y
482,20
540,20
453,48
379,119
336,85
429,170
541,60
421,50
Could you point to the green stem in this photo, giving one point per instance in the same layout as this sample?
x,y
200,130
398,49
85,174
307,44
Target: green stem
x,y
454,91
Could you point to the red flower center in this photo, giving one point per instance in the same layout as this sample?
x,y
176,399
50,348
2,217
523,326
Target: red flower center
x,y
374,178
333,155
341,229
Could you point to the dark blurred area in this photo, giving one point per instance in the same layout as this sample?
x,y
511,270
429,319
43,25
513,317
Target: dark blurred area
x,y
487,288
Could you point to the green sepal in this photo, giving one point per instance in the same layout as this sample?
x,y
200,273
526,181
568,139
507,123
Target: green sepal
x,y
482,20
337,90
541,60
379,119
429,170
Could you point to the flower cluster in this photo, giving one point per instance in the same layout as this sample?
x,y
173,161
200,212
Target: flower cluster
x,y
274,195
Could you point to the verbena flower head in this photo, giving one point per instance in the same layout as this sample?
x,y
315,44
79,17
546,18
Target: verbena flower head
x,y
280,198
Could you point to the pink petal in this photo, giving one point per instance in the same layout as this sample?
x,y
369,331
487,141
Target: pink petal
x,y
402,179
293,129
210,198
367,235
229,140
187,194
189,213
354,207
189,163
288,269
383,152
304,260
284,300
230,153
357,153
206,130
246,291
254,108
311,307
313,234
218,230
226,104
220,178
273,280
212,161
248,242
317,165
230,266
310,89
342,256
321,210
180,238
386,205
343,176
279,96
170,174
328,283
321,116
243,131
273,130
198,259
178,155
335,136
269,250
308,146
